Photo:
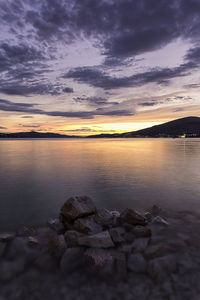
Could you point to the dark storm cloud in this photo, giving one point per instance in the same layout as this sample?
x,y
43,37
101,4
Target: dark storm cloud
x,y
2,127
12,55
147,103
98,78
9,106
18,88
95,101
68,90
123,27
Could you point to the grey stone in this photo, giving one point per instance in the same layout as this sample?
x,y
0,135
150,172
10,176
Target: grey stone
x,y
160,221
99,240
71,260
132,217
106,262
10,269
137,263
141,231
72,237
140,244
87,225
2,248
160,268
56,225
77,207
56,245
104,217
116,234
6,237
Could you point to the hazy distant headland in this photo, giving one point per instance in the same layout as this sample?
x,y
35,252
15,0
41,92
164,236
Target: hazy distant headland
x,y
184,127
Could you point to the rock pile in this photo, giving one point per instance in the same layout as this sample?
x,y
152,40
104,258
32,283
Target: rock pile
x,y
148,256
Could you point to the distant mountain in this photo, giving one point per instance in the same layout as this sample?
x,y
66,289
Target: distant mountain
x,y
189,126
34,134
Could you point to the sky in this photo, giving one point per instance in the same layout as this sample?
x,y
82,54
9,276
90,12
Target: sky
x,y
81,67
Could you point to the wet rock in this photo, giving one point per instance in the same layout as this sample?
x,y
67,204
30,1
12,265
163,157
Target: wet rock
x,y
141,231
129,237
104,217
87,225
10,269
6,237
72,237
106,262
77,207
148,216
130,216
19,248
56,225
99,240
33,242
160,221
136,263
140,244
116,234
46,262
71,260
56,245
160,268
2,248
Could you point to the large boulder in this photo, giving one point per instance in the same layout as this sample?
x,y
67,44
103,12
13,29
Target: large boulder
x,y
104,217
71,260
141,231
77,207
106,262
136,263
72,237
87,225
99,240
131,216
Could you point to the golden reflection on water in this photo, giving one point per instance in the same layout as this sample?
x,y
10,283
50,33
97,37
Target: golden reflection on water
x,y
38,175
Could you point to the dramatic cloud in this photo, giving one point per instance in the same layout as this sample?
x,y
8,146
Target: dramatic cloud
x,y
95,101
2,127
6,105
68,90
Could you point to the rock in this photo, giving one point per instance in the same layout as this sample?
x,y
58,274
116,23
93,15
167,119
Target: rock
x,y
129,237
160,268
2,248
56,245
77,207
6,237
10,269
116,218
106,262
132,217
19,248
56,225
140,244
46,262
141,231
99,240
148,216
125,248
136,263
160,221
32,241
72,237
71,260
87,225
104,217
116,234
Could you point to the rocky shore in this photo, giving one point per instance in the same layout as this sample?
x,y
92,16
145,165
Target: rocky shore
x,y
91,253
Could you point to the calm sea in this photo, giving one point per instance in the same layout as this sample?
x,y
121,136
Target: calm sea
x,y
37,176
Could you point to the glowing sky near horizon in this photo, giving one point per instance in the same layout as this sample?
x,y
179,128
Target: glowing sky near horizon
x,y
84,67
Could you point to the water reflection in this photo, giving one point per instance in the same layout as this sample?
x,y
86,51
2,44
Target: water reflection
x,y
36,176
